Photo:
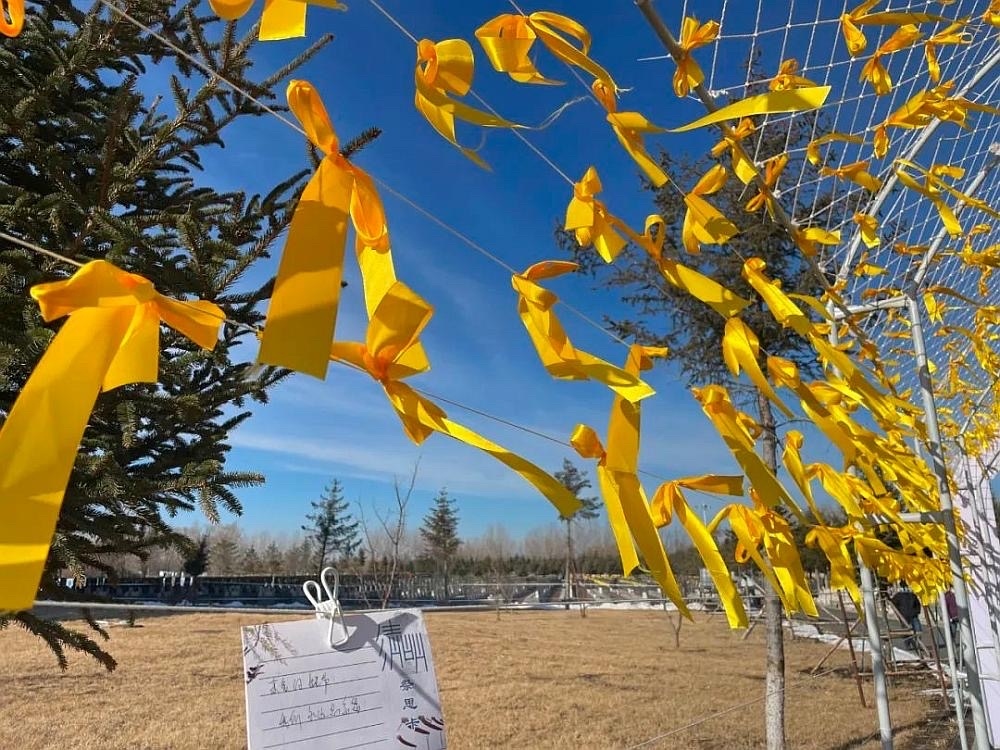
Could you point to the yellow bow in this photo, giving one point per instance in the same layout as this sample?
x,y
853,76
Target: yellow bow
x,y
589,220
693,36
732,140
874,71
703,222
391,352
853,36
629,128
302,314
856,172
788,77
669,502
773,168
444,70
507,41
281,19
111,338
869,229
14,9
559,357
952,34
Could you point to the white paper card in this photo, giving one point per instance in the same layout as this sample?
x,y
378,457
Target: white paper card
x,y
377,690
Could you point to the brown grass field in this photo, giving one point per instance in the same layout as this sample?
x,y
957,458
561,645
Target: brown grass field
x,y
529,680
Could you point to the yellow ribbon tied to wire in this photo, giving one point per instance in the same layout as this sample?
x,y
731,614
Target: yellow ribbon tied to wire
x,y
302,314
741,350
508,39
952,34
812,150
788,77
992,14
772,103
281,19
14,11
669,503
833,541
765,196
857,172
732,141
874,71
855,39
693,36
703,222
391,352
444,71
629,128
589,220
560,358
868,225
111,338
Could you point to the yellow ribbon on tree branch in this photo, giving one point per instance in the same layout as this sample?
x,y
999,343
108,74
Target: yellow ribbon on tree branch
x,y
281,19
732,141
111,338
444,71
14,9
833,541
508,39
391,352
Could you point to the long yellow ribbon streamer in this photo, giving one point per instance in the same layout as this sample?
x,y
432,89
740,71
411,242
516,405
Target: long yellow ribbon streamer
x,y
629,128
111,338
774,102
281,19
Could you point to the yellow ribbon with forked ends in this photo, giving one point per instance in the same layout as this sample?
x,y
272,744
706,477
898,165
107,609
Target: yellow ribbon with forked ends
x,y
302,314
559,357
669,503
874,71
15,9
508,39
589,220
391,352
693,36
111,338
703,222
444,70
741,350
281,19
629,128
771,103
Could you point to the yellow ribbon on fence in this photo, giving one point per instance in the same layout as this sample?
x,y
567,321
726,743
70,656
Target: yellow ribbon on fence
x,y
732,141
669,503
589,220
629,128
444,70
992,14
952,34
833,541
391,352
788,77
559,357
693,36
868,225
302,314
508,38
703,222
772,103
857,172
741,349
874,71
812,150
15,10
859,16
281,19
111,338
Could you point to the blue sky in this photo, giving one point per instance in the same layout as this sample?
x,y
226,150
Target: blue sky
x,y
343,427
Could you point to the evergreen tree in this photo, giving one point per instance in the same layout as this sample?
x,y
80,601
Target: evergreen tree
x,y
440,535
196,563
273,559
251,561
576,481
91,167
225,555
299,558
332,529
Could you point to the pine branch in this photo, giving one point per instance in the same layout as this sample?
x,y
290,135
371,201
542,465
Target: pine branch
x,y
359,141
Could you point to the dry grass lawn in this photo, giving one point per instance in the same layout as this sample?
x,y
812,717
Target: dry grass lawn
x,y
531,680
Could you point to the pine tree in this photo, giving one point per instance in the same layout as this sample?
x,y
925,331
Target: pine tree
x,y
440,535
251,561
92,167
225,558
196,563
273,558
332,529
576,481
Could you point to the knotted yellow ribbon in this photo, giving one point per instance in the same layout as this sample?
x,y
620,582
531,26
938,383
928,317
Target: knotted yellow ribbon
x,y
703,222
444,70
741,349
855,39
508,38
874,71
791,457
391,352
302,314
14,9
833,541
809,238
857,172
559,357
772,103
934,184
669,502
992,14
782,308
732,141
111,338
927,577
812,150
693,36
629,128
788,78
281,19
773,168
952,34
589,220
868,225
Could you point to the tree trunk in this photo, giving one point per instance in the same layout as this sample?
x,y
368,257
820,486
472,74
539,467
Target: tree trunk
x,y
447,593
568,581
774,683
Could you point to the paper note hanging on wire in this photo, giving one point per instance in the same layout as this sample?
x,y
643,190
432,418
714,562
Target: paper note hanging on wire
x,y
377,689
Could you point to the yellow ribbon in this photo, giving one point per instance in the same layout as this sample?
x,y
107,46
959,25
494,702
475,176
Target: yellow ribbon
x,y
559,357
812,150
693,36
855,39
391,352
874,71
792,460
856,172
302,314
111,338
952,34
774,102
508,38
589,220
281,19
703,222
15,10
782,308
833,542
869,229
773,168
629,128
669,502
807,239
743,165
992,14
444,70
788,78
741,349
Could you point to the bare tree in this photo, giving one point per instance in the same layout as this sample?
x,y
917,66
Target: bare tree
x,y
385,550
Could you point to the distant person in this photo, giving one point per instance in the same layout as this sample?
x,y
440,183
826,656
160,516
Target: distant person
x,y
908,606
